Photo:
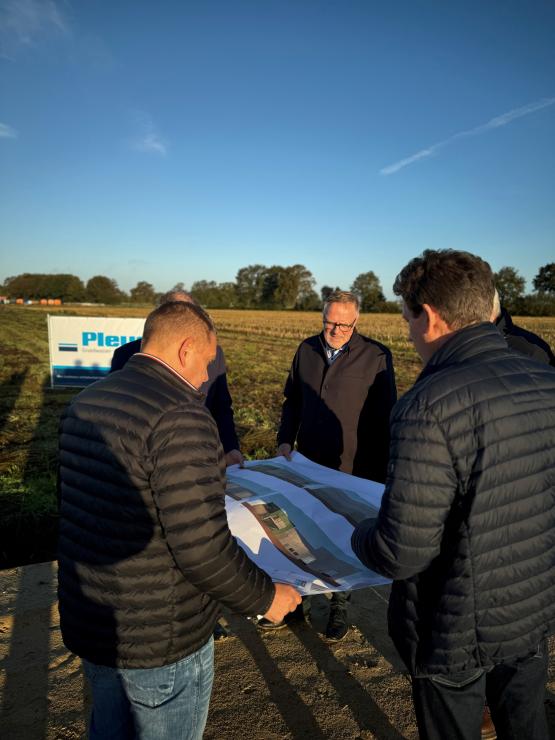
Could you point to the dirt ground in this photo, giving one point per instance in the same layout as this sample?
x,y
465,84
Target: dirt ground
x,y
289,684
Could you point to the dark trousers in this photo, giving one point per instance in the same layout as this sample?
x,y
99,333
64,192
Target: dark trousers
x,y
452,707
338,601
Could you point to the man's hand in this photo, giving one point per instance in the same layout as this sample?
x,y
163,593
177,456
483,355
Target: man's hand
x,y
286,599
285,450
234,457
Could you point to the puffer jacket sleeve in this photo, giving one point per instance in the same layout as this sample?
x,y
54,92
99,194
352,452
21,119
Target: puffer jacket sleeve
x,y
420,490
187,481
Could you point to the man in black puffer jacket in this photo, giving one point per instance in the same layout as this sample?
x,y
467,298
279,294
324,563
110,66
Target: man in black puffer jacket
x,y
145,552
215,389
467,524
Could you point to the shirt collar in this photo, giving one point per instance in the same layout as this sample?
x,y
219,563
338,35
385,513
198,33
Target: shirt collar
x,y
168,367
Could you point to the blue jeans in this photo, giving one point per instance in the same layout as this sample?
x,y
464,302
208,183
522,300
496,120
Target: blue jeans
x,y
166,703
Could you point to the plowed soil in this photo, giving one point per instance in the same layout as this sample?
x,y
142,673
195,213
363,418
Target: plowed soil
x,y
287,684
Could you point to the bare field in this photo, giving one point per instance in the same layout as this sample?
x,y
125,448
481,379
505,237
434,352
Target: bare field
x,y
259,347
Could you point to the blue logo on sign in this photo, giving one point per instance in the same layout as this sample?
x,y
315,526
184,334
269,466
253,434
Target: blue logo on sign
x,y
99,339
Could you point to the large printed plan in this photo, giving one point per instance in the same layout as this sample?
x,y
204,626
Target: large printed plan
x,y
295,520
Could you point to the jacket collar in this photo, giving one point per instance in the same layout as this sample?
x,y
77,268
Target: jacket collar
x,y
345,348
465,344
151,363
504,323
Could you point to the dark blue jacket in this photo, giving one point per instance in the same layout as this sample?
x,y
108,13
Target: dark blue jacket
x,y
522,340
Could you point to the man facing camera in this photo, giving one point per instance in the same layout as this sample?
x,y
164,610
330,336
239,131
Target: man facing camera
x,y
338,396
467,523
145,552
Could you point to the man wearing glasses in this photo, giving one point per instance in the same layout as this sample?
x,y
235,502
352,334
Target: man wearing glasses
x,y
338,397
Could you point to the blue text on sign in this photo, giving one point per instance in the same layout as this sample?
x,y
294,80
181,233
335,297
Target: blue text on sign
x,y
101,340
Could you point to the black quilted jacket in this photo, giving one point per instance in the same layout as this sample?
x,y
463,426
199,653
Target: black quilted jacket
x,y
467,522
145,551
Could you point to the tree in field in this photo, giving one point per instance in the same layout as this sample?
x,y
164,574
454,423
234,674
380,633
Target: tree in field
x,y
249,284
367,287
305,286
510,286
544,282
69,288
281,287
310,301
143,292
226,295
537,304
286,287
37,285
101,289
326,291
214,295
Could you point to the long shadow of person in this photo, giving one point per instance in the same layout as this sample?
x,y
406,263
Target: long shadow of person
x,y
84,557
24,533
25,696
296,715
364,709
10,440
30,522
10,390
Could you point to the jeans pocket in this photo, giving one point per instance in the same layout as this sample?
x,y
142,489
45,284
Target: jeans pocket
x,y
149,686
457,680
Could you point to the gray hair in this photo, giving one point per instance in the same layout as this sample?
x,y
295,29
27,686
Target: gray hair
x,y
342,296
176,295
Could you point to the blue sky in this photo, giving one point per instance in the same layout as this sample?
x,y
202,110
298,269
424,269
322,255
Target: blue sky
x,y
180,141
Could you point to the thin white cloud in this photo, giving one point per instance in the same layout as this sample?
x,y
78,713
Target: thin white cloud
x,y
493,123
7,132
24,22
149,140
151,143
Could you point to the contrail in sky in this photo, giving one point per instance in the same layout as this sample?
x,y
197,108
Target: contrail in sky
x,y
493,123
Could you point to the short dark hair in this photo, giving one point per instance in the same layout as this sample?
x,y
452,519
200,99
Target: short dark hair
x,y
459,285
177,317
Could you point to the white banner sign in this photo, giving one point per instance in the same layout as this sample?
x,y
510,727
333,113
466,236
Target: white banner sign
x,y
81,347
295,520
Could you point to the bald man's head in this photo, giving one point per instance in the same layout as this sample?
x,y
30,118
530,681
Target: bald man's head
x,y
176,295
183,335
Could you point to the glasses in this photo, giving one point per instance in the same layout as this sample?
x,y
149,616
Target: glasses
x,y
343,328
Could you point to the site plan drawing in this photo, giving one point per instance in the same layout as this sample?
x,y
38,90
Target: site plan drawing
x,y
295,520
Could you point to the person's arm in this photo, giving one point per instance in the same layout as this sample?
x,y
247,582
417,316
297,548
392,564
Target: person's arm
x,y
187,482
420,491
374,442
220,405
118,359
124,353
290,411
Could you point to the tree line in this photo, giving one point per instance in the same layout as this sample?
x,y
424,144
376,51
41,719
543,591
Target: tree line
x,y
275,287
